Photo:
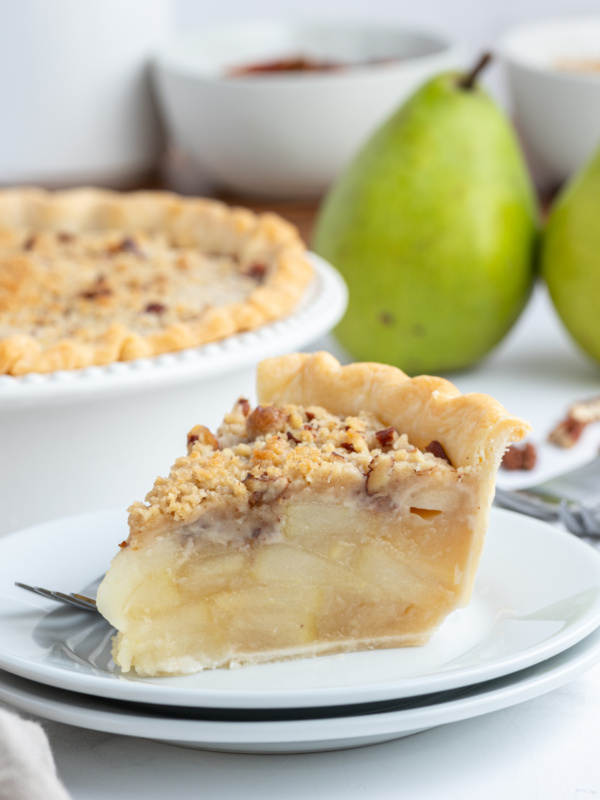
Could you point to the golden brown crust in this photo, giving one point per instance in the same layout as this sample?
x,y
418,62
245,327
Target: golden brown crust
x,y
470,427
33,284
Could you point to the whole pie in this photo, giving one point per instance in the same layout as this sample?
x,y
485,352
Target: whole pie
x,y
91,277
345,512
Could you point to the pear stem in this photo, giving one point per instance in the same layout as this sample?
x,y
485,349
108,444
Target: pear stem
x,y
469,79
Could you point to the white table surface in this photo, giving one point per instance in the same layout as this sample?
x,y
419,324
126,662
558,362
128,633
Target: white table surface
x,y
544,749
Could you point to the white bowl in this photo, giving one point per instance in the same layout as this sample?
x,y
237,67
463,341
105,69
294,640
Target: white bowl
x,y
557,110
288,134
80,440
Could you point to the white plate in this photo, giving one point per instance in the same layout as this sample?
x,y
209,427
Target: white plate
x,y
302,736
321,308
537,593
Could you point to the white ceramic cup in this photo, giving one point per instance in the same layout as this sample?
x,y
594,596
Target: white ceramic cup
x,y
288,135
557,110
77,106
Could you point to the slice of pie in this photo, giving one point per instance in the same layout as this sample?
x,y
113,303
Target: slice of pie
x,y
346,512
91,277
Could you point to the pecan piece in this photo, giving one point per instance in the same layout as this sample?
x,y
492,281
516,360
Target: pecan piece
x,y
128,245
566,433
264,488
569,430
437,449
292,438
516,457
586,411
265,419
155,308
386,437
200,435
100,289
257,271
244,406
379,474
348,446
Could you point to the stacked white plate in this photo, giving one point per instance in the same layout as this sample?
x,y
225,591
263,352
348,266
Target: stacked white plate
x,y
532,625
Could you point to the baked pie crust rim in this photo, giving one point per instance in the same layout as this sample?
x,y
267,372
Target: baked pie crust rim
x,y
318,311
234,231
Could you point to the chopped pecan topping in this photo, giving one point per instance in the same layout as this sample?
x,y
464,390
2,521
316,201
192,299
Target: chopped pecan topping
x,y
310,416
65,237
580,414
257,271
244,405
516,457
348,446
124,543
566,433
129,245
266,419
264,488
292,438
379,474
386,437
202,435
437,449
29,243
155,308
99,289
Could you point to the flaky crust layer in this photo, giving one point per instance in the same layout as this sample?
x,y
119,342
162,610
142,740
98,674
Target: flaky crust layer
x,y
190,224
474,429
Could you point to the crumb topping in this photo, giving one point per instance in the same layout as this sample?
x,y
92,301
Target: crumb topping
x,y
260,456
58,284
570,429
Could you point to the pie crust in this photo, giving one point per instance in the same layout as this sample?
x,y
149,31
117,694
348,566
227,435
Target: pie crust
x,y
346,512
91,277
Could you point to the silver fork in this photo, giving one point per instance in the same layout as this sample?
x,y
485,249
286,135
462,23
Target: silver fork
x,y
577,517
560,500
79,601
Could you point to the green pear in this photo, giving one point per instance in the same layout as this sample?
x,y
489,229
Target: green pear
x,y
570,256
434,228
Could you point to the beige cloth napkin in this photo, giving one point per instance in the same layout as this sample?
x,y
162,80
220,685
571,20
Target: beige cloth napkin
x,y
27,770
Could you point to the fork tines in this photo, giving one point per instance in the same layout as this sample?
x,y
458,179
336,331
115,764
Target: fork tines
x,y
79,601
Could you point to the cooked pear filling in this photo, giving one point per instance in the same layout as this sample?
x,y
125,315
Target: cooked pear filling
x,y
294,530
